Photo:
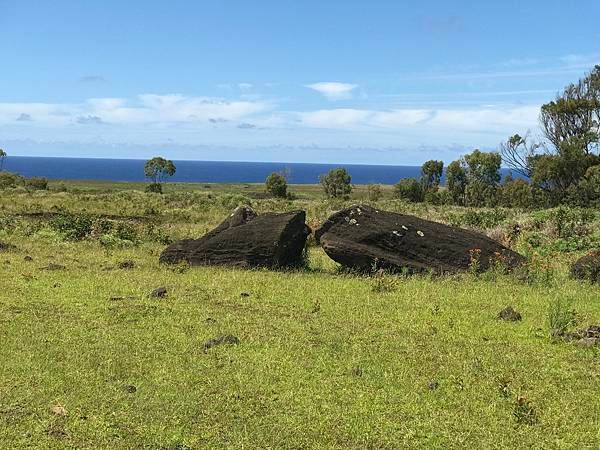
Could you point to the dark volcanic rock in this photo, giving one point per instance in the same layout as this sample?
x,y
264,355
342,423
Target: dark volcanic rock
x,y
245,239
224,339
509,314
362,237
159,292
7,247
587,267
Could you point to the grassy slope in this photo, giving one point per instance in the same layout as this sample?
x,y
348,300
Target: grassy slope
x,y
293,380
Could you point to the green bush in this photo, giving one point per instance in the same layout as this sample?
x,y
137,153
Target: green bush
x,y
409,189
36,183
276,185
10,180
73,227
155,188
374,192
336,183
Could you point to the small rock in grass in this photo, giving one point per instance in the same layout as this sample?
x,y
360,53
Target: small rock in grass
x,y
159,292
433,385
28,258
509,314
127,264
53,266
586,337
129,388
224,339
58,410
6,247
244,294
357,371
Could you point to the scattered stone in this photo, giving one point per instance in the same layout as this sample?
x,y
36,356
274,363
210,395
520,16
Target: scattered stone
x,y
357,371
244,294
58,410
587,267
159,292
129,388
224,339
56,285
509,314
433,385
127,264
591,332
399,242
7,247
245,239
129,297
210,320
28,258
53,266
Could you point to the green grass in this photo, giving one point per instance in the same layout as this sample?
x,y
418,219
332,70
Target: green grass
x,y
325,359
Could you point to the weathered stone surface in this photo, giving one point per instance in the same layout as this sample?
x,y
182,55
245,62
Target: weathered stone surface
x,y
246,239
587,267
362,237
509,314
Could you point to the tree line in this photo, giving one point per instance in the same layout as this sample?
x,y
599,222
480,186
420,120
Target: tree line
x,y
560,167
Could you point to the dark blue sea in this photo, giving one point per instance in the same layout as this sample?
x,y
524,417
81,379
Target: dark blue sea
x,y
200,171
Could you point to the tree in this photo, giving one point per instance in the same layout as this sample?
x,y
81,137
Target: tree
x,y
410,189
2,158
431,174
276,185
158,169
483,176
571,128
517,152
574,116
516,193
456,181
336,183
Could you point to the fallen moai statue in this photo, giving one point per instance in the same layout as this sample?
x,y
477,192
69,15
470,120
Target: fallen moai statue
x,y
364,238
246,239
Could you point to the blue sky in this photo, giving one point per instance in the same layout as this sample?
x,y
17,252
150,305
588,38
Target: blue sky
x,y
382,82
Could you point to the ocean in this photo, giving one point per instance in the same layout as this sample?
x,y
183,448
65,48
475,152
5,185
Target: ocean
x,y
201,171
198,171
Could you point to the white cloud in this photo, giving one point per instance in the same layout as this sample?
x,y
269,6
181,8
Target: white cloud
x,y
333,90
428,122
146,109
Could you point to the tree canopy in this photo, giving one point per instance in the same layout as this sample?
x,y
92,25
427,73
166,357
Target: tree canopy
x,y
158,169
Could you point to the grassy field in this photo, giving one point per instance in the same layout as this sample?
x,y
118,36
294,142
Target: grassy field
x,y
325,359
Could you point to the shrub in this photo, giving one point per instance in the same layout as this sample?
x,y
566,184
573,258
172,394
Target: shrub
x,y
10,180
409,189
37,183
155,188
276,185
374,192
73,227
516,194
336,183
